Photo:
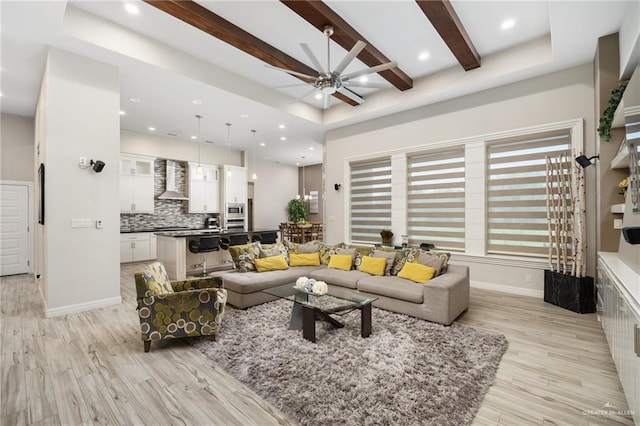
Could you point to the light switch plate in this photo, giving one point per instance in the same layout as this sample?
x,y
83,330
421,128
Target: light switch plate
x,y
80,223
617,223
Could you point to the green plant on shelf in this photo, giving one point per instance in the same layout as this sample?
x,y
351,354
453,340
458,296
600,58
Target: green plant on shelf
x,y
606,121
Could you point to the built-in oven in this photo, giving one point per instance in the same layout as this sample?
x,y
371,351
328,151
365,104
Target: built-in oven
x,y
234,224
235,210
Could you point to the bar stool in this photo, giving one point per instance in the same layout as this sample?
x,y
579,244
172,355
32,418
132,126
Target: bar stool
x,y
234,240
204,245
269,237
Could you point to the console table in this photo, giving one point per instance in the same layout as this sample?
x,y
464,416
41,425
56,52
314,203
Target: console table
x,y
618,308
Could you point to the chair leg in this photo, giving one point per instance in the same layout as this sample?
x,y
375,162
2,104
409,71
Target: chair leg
x,y
147,345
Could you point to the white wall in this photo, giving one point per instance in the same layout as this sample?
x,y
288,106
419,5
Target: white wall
x,y
276,185
552,98
630,40
176,149
77,115
16,147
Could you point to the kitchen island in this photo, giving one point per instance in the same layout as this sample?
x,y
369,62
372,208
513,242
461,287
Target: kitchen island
x,y
173,251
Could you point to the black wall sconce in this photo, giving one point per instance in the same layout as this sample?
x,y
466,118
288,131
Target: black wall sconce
x,y
337,186
585,162
97,165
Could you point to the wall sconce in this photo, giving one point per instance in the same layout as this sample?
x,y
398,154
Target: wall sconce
x,y
585,162
97,165
337,186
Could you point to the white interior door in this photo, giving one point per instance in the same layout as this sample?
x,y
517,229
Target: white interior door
x,y
14,229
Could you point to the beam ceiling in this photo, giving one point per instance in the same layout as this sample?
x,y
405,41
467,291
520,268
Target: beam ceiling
x,y
445,20
202,18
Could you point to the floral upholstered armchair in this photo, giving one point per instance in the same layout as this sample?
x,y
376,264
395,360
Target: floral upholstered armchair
x,y
170,310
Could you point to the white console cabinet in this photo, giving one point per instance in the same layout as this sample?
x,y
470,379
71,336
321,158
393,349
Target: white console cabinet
x,y
618,307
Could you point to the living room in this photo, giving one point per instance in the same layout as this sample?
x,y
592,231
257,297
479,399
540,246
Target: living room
x,y
504,288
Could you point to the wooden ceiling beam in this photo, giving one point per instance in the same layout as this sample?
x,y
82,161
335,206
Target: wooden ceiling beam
x,y
320,15
202,18
446,22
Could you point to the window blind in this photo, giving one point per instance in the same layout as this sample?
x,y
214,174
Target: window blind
x,y
370,199
435,197
516,191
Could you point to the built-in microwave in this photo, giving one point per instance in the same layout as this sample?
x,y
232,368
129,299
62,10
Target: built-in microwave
x,y
235,210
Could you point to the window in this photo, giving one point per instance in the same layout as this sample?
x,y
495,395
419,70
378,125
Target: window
x,y
517,191
370,199
435,197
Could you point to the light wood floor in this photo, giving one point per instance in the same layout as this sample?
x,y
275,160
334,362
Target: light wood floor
x,y
90,368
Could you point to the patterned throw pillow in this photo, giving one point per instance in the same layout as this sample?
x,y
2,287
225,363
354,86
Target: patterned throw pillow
x,y
243,256
403,256
445,256
157,279
326,251
284,250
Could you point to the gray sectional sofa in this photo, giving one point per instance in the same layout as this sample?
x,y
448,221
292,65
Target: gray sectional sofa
x,y
441,300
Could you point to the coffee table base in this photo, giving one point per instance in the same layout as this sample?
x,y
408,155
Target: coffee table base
x,y
304,318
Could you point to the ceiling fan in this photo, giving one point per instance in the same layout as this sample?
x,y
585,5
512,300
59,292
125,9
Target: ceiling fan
x,y
329,82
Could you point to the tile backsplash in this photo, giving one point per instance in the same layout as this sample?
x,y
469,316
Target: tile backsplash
x,y
167,212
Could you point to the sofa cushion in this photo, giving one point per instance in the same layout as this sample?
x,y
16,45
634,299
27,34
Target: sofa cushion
x,y
308,248
390,257
432,260
342,262
271,263
326,251
251,282
417,272
338,277
403,256
393,287
157,279
280,246
304,259
373,265
243,256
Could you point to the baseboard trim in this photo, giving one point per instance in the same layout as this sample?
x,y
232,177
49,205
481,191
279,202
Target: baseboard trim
x,y
80,307
508,289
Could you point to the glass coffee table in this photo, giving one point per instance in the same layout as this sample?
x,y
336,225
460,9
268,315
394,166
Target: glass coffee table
x,y
309,307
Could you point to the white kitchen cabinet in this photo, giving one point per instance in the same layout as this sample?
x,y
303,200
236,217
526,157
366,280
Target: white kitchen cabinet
x,y
136,184
619,311
136,247
204,189
235,185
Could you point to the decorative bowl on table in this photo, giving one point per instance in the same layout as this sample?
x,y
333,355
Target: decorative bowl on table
x,y
311,286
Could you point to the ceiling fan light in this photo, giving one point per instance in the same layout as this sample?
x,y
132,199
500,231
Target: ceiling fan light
x,y
329,90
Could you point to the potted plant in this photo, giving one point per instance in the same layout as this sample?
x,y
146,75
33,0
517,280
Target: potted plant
x,y
604,130
386,235
297,211
565,283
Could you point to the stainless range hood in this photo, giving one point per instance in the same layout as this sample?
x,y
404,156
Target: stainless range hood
x,y
171,192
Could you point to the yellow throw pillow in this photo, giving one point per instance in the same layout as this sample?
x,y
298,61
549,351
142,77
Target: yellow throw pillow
x,y
304,259
373,265
416,272
341,261
272,263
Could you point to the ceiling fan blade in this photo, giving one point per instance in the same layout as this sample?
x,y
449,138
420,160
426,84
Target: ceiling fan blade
x,y
311,92
327,99
313,59
355,51
349,94
299,74
371,70
370,85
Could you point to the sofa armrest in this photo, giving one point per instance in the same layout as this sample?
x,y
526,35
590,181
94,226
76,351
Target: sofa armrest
x,y
448,294
197,283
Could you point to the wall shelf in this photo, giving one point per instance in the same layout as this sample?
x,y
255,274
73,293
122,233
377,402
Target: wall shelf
x,y
621,160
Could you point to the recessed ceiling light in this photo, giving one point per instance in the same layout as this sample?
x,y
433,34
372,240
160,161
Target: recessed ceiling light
x,y
135,100
194,137
297,164
262,144
318,96
152,129
244,116
311,148
364,79
132,8
282,126
122,112
196,102
507,24
423,56
283,138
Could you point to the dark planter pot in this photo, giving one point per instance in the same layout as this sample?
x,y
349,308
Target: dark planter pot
x,y
577,294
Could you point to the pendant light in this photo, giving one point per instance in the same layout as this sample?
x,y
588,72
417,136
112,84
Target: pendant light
x,y
254,176
199,170
228,148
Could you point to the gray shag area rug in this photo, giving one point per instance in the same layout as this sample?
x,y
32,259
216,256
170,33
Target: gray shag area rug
x,y
408,372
